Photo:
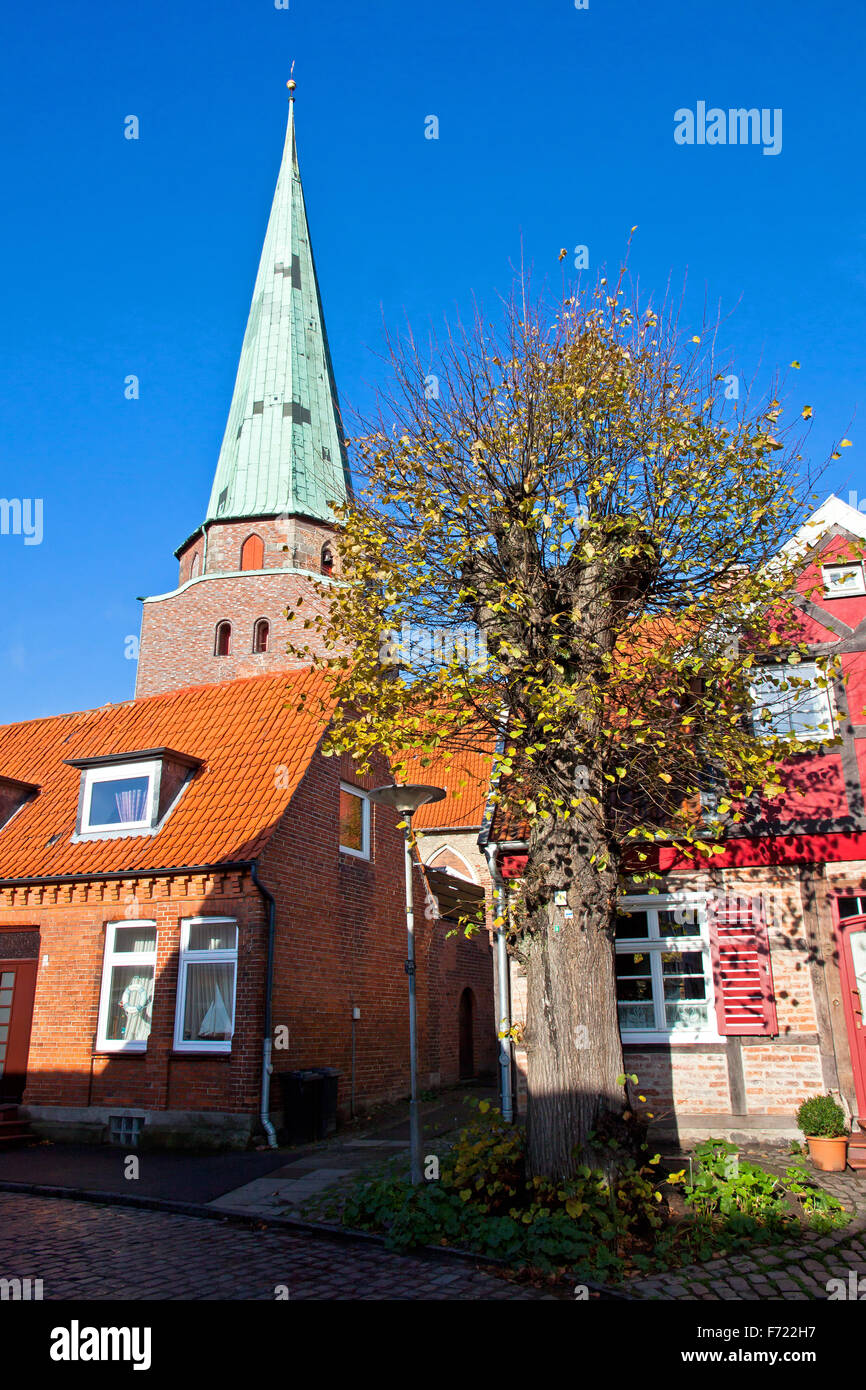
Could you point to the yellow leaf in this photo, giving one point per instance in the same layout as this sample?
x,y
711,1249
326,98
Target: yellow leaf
x,y
806,412
845,444
796,364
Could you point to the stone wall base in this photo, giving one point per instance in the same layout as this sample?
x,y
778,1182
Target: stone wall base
x,y
170,1129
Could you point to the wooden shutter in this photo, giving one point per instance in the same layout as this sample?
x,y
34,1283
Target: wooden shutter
x,y
745,1000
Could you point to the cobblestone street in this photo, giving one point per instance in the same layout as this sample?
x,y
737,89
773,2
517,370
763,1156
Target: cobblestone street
x,y
83,1250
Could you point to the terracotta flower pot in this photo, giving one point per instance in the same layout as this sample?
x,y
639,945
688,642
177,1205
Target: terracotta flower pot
x,y
830,1155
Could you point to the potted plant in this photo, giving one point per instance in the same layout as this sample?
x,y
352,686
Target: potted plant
x,y
822,1121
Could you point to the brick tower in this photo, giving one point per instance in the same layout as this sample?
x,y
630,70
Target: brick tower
x,y
268,535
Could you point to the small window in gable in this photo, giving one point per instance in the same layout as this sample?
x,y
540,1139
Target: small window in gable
x,y
261,635
792,702
843,581
223,639
354,821
327,564
253,553
130,793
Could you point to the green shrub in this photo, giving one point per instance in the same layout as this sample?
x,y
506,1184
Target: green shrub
x,y
821,1117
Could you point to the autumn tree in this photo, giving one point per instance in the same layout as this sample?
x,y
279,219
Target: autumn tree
x,y
581,485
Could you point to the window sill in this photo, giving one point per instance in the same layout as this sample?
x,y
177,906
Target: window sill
x,y
199,1053
127,1052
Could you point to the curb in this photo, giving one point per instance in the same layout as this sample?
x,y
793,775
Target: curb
x,y
342,1235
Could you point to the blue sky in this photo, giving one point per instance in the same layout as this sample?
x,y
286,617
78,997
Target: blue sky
x,y
555,129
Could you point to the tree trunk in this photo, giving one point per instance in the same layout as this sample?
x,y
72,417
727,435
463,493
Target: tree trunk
x,y
574,1051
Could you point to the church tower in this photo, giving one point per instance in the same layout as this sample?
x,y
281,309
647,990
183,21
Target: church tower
x,y
268,535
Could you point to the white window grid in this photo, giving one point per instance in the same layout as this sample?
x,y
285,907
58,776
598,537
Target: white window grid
x,y
211,957
112,958
364,851
654,945
116,773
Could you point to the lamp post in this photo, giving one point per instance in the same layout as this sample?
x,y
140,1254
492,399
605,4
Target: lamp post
x,y
406,800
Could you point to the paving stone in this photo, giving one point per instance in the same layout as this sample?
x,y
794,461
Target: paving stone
x,y
85,1250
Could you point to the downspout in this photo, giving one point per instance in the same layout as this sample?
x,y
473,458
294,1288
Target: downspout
x,y
267,1041
500,900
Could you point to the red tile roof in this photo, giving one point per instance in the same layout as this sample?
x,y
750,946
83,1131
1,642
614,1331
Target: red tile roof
x,y
465,777
242,731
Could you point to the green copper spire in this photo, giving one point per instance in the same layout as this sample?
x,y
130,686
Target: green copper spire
x,y
283,449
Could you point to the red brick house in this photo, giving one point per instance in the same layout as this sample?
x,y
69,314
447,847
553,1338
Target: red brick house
x,y
190,892
148,943
742,985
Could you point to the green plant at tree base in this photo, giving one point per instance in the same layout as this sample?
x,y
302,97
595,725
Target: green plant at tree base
x,y
821,1117
734,1197
590,1225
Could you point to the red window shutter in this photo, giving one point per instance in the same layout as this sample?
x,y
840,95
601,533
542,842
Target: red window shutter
x,y
745,999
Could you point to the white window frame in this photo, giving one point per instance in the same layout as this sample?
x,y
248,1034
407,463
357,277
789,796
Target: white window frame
x,y
364,852
111,958
797,671
118,772
653,946
854,588
188,957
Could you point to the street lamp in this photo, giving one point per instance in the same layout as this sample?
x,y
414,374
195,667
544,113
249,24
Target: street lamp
x,y
406,800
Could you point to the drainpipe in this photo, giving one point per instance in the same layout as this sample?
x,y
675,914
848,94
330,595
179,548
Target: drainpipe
x,y
267,1040
500,901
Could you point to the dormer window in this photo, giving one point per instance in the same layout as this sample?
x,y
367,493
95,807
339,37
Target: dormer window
x,y
130,793
13,795
843,581
118,799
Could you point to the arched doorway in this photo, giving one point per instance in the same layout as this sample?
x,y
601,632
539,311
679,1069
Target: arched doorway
x,y
466,1020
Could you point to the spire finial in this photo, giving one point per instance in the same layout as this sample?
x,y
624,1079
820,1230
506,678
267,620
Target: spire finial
x,y
292,84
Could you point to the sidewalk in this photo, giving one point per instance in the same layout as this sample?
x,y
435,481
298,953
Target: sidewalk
x,y
256,1181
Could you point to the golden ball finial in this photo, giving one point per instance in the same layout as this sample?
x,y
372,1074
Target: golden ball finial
x,y
291,84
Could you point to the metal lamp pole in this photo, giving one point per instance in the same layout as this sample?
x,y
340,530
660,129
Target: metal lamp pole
x,y
406,800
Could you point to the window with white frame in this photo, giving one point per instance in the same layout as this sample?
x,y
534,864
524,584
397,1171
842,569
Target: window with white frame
x,y
664,970
206,985
841,581
128,976
792,701
354,821
119,797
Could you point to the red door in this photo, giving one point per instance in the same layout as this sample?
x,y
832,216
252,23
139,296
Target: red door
x,y
852,935
17,988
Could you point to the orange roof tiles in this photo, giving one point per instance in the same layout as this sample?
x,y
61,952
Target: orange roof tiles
x,y
465,777
242,731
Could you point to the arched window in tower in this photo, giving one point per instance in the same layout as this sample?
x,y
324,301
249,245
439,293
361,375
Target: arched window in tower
x,y
253,553
223,642
261,635
327,558
196,565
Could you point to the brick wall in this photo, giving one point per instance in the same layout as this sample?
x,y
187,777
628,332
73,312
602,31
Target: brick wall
x,y
65,1067
178,629
340,942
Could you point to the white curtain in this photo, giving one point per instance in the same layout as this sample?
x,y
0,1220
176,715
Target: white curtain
x,y
208,1003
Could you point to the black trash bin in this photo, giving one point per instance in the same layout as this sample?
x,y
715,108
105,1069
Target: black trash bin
x,y
330,1085
303,1093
